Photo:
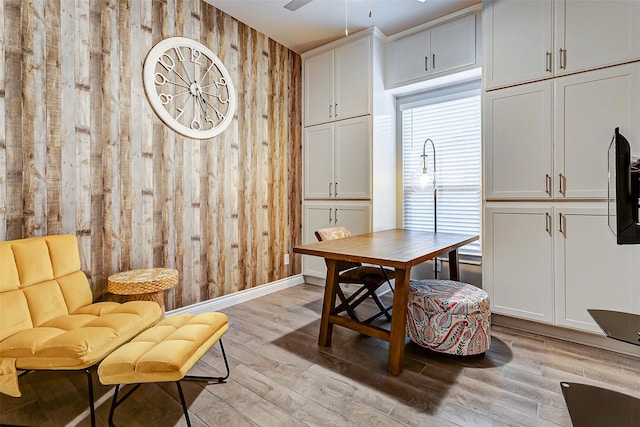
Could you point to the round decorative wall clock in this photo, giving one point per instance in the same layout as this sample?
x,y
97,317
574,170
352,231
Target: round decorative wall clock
x,y
189,88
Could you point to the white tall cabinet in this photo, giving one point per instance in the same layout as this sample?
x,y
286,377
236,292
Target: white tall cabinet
x,y
348,141
553,97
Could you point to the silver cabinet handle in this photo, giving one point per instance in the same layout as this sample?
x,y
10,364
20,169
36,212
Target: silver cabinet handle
x,y
330,110
563,58
563,224
335,190
426,63
433,61
330,217
563,184
335,109
548,62
330,189
335,216
547,184
547,222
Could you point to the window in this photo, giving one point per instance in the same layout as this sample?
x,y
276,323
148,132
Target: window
x,y
451,118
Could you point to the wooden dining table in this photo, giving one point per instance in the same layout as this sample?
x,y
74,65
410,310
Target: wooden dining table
x,y
397,248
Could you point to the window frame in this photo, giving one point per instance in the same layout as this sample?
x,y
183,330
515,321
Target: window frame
x,y
428,97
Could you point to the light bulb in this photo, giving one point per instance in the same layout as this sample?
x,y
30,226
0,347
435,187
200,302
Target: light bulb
x,y
422,180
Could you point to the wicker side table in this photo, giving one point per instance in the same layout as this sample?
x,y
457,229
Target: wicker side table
x,y
145,284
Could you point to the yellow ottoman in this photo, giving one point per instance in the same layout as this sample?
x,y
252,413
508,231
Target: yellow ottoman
x,y
165,352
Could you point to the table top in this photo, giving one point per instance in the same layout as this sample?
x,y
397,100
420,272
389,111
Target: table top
x,y
397,248
142,281
618,325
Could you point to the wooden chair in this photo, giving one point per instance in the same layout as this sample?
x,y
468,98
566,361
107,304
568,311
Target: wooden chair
x,y
370,278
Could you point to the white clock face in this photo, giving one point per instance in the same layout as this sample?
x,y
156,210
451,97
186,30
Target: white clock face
x,y
189,88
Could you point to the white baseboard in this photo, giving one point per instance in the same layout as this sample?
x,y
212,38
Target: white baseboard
x,y
313,280
575,336
219,303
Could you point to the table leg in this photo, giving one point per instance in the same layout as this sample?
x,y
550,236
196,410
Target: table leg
x,y
398,322
329,301
454,269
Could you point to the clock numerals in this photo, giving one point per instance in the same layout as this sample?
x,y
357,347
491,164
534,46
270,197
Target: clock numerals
x,y
167,62
221,82
195,56
159,78
165,98
179,55
195,123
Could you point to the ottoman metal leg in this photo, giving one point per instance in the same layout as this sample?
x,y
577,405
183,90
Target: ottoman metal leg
x,y
212,379
115,402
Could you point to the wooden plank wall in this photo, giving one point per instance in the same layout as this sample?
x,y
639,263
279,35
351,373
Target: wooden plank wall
x,y
82,152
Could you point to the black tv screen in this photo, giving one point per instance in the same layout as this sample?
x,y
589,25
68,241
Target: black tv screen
x,y
624,191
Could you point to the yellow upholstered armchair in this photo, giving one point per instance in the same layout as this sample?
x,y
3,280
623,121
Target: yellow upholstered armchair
x,y
47,318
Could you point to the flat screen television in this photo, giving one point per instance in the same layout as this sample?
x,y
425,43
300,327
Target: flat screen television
x,y
624,191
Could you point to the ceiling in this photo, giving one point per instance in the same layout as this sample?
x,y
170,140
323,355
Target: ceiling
x,y
323,21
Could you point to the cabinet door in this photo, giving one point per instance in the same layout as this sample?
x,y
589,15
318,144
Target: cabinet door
x,y
453,45
517,261
408,59
594,34
355,215
353,79
352,159
589,106
316,215
518,41
592,271
318,88
518,140
318,166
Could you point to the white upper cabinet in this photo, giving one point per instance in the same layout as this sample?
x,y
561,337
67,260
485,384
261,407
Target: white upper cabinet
x,y
407,59
337,159
352,93
432,52
318,88
589,106
534,39
518,41
453,45
337,83
519,142
591,34
529,158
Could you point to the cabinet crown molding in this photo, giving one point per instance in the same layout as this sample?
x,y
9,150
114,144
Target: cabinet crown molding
x,y
375,31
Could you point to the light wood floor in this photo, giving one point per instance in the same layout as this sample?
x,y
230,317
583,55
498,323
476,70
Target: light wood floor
x,y
280,377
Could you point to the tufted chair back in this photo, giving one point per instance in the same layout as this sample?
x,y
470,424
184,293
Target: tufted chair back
x,y
40,279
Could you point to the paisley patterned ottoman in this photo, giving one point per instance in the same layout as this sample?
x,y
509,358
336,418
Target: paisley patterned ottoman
x,y
449,317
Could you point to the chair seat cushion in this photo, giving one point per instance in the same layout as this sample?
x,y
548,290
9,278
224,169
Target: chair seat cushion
x,y
80,339
449,317
366,274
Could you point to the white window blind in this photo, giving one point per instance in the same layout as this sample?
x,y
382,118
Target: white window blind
x,y
451,118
